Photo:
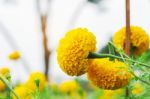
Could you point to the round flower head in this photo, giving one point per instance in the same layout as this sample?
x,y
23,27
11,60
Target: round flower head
x,y
73,50
36,80
108,74
139,39
69,86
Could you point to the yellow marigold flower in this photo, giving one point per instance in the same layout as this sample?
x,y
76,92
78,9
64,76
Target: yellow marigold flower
x,y
3,72
22,92
108,74
34,79
73,51
14,56
69,86
139,39
137,88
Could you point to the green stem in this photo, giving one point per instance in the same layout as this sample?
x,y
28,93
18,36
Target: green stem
x,y
98,55
6,83
134,74
140,79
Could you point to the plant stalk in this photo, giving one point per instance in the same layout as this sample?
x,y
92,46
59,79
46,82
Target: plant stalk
x,y
6,83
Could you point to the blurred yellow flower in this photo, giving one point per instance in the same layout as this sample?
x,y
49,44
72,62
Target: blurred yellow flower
x,y
108,74
73,50
22,92
53,85
76,95
3,72
2,86
69,86
139,39
14,56
109,94
137,88
36,78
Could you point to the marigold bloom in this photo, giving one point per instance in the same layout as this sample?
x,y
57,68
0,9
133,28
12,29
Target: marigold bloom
x,y
137,88
108,74
14,56
73,51
36,76
139,39
3,72
22,92
69,86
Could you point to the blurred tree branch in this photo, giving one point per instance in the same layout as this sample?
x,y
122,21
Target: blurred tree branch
x,y
43,19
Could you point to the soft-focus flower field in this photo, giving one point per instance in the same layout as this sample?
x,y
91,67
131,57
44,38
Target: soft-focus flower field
x,y
118,70
112,75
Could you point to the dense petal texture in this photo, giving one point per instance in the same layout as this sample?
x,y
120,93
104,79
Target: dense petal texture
x,y
139,39
108,74
73,51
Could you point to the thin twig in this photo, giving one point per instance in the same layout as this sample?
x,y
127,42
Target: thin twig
x,y
43,20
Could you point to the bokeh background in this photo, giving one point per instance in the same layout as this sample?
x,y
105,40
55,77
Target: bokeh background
x,y
20,29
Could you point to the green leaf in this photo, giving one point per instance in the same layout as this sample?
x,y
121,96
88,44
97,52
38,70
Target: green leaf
x,y
111,49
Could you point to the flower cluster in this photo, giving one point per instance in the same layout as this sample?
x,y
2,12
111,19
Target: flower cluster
x,y
75,48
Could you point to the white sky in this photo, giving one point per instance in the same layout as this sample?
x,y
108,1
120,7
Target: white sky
x,y
21,21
